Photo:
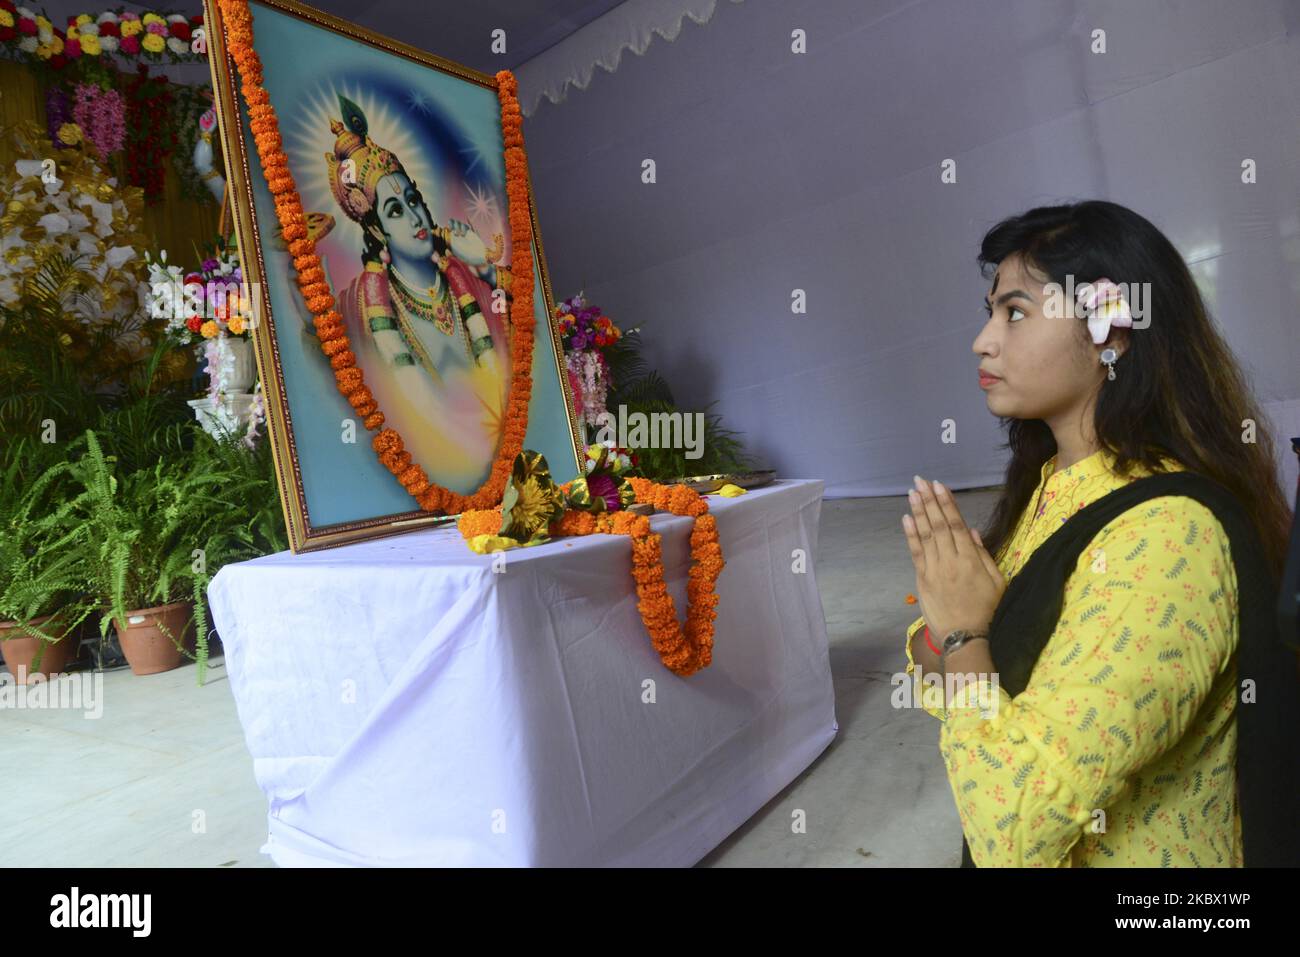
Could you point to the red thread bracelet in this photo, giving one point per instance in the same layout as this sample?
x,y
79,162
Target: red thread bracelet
x,y
931,643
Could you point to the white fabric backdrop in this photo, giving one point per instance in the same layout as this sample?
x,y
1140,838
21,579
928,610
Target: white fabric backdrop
x,y
402,702
820,171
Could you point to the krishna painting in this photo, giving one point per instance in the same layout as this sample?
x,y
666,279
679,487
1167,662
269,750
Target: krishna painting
x,y
398,159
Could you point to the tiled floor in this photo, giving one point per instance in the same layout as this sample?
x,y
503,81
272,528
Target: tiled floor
x,y
163,778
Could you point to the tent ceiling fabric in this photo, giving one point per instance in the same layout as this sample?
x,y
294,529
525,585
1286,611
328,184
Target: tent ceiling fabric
x,y
631,25
462,30
550,44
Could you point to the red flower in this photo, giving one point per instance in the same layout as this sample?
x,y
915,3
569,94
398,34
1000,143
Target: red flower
x,y
7,5
7,33
196,20
72,21
109,29
72,48
58,61
181,31
193,277
130,45
27,26
194,324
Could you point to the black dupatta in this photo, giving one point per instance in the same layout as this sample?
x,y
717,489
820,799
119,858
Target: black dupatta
x,y
1268,730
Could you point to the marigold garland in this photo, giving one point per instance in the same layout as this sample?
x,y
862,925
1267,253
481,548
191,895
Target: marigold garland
x,y
683,650
237,21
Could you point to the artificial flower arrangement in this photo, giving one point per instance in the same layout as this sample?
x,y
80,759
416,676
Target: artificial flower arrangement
x,y
535,510
78,216
87,113
211,307
208,303
585,333
125,34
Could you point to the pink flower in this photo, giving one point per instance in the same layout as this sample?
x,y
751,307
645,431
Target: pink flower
x,y
602,485
159,28
130,44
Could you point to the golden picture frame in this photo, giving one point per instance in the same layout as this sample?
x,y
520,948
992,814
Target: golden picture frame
x,y
424,135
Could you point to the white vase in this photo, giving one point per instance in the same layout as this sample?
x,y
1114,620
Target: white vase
x,y
244,374
225,418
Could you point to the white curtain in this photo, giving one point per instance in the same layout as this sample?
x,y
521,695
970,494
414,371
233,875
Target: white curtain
x,y
629,26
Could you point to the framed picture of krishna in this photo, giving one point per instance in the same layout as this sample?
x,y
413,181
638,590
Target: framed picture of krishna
x,y
402,311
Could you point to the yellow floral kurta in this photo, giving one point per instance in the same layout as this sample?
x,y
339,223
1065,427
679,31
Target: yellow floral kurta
x,y
1130,708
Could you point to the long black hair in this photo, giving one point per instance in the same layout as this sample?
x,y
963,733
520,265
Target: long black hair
x,y
1178,393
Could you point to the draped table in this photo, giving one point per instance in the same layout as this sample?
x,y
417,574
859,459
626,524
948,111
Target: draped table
x,y
407,702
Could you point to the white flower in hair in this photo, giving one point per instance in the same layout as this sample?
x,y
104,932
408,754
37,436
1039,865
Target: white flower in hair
x,y
1104,306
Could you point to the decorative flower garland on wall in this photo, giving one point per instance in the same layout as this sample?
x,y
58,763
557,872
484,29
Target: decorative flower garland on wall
x,y
157,37
387,443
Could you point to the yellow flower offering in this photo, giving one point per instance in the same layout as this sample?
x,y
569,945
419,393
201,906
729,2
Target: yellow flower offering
x,y
236,325
209,330
130,28
730,491
153,43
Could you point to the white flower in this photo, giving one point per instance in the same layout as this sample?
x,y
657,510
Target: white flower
x,y
53,223
118,256
108,44
176,18
44,34
28,44
27,168
177,45
88,30
24,12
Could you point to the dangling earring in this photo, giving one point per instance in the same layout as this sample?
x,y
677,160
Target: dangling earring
x,y
1108,357
384,257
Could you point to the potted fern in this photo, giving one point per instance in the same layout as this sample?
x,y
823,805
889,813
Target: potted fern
x,y
156,535
43,595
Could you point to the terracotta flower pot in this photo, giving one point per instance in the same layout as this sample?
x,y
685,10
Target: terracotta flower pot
x,y
149,636
20,650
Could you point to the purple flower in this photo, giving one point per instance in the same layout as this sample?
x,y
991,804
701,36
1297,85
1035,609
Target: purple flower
x,y
579,341
602,485
210,265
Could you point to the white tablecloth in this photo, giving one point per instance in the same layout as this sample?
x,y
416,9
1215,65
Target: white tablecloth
x,y
404,704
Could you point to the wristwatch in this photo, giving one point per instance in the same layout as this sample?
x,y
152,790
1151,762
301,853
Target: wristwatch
x,y
955,639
